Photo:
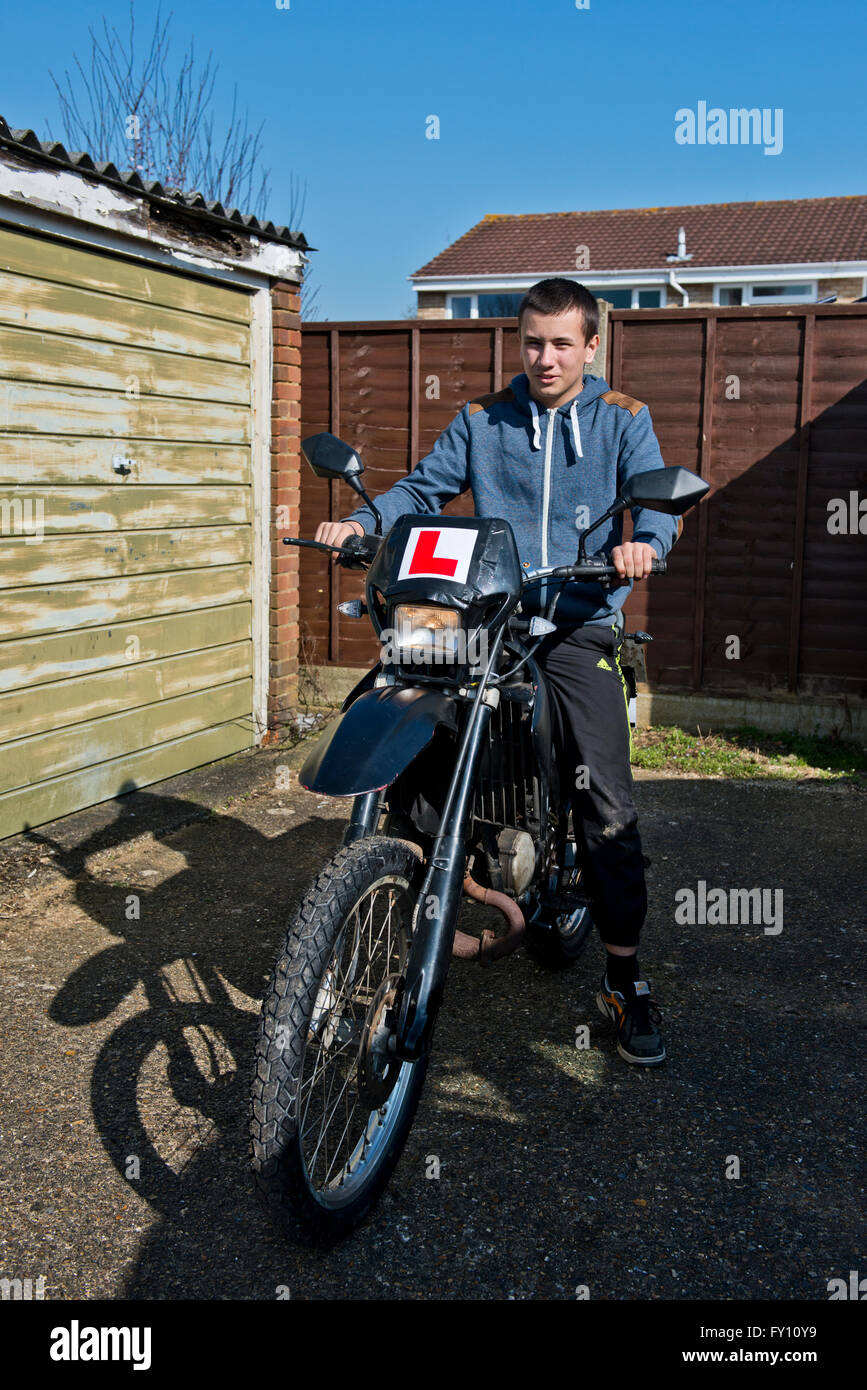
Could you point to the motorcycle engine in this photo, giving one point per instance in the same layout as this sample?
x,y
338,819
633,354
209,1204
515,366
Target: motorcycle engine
x,y
517,856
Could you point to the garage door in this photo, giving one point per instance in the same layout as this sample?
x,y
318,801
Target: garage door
x,y
126,651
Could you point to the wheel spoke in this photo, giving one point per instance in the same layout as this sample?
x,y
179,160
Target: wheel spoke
x,y
343,1134
324,1130
327,1056
331,1118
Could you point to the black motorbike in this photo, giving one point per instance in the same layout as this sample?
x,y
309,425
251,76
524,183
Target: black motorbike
x,y
447,747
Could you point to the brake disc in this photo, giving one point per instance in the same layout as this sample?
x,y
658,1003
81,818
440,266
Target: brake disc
x,y
379,1068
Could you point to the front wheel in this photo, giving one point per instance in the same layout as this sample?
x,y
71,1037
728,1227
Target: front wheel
x,y
331,1105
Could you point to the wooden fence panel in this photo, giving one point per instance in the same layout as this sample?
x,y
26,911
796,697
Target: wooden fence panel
x,y
769,405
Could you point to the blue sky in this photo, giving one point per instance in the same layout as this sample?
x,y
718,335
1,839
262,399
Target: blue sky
x,y
542,107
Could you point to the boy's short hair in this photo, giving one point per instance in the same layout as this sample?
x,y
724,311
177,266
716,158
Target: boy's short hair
x,y
557,296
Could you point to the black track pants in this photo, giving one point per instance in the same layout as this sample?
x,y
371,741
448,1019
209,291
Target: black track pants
x,y
592,727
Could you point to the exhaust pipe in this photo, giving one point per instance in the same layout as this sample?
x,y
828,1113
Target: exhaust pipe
x,y
490,947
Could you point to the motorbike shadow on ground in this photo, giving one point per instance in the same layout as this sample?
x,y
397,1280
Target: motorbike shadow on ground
x,y
178,991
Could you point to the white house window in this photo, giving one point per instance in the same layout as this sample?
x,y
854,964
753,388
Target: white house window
x,y
484,306
461,306
498,306
630,298
618,299
491,305
804,293
781,294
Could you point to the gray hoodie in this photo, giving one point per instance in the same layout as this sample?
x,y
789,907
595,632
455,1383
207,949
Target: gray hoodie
x,y
549,473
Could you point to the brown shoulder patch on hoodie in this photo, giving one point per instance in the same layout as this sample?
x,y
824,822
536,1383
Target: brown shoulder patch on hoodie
x,y
627,402
485,402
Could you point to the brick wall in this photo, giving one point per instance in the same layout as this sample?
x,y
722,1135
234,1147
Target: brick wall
x,y
698,294
286,495
846,290
431,306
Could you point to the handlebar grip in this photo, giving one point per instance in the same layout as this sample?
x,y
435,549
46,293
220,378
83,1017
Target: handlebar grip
x,y
593,569
359,549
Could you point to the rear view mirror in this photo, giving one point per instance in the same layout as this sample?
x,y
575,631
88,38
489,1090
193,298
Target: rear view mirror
x,y
671,490
329,457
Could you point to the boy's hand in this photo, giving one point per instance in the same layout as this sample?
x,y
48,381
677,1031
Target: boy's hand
x,y
336,532
632,560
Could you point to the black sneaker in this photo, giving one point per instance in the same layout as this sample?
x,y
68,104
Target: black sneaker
x,y
636,1020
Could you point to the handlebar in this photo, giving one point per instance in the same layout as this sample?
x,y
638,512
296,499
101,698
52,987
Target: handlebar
x,y
358,551
593,568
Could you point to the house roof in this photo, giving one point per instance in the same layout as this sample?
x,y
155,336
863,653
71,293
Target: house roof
x,y
797,231
27,145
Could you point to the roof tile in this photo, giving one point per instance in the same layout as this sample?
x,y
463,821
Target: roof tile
x,y
796,230
28,144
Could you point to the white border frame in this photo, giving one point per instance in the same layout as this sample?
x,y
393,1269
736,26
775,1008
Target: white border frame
x,y
261,372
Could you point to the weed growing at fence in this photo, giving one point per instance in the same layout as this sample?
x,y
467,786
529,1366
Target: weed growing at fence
x,y
748,752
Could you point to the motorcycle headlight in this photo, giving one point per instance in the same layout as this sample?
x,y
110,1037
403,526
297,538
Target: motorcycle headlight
x,y
424,633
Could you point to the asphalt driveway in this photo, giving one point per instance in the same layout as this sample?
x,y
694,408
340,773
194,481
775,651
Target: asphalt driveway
x,y
134,943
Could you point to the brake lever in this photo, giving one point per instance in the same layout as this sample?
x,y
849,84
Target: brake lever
x,y
314,545
348,556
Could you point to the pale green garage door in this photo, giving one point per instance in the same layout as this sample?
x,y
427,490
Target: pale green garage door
x,y
125,639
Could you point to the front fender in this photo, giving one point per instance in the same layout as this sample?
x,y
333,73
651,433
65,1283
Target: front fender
x,y
372,742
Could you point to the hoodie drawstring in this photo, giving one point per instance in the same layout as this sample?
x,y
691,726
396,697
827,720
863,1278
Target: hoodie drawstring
x,y
576,433
537,437
573,416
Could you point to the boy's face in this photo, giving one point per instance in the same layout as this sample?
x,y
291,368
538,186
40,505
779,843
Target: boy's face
x,y
554,355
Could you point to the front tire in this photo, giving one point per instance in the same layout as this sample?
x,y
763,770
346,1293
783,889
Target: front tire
x,y
331,1106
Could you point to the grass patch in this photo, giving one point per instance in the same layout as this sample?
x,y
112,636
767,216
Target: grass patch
x,y
748,752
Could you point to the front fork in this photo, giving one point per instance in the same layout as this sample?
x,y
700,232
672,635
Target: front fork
x,y
365,817
439,899
440,895
438,902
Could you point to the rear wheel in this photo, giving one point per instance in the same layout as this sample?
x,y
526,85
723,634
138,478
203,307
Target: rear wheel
x,y
331,1104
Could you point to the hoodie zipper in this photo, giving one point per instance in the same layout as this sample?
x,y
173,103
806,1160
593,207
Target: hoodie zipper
x,y
546,487
546,502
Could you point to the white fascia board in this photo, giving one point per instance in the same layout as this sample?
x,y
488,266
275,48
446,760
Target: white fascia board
x,y
511,284
67,204
470,284
760,274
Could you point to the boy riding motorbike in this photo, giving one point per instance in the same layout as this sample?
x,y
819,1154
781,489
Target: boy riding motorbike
x,y
546,454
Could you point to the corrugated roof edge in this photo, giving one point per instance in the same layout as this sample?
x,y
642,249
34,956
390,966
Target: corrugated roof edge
x,y
51,152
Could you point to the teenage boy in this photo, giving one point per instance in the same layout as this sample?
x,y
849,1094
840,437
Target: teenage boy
x,y
549,454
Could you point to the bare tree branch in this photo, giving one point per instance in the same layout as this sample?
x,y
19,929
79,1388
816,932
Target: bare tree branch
x,y
155,117
148,116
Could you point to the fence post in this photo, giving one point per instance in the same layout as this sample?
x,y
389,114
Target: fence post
x,y
497,384
601,366
805,414
704,468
